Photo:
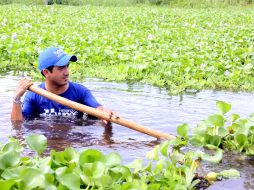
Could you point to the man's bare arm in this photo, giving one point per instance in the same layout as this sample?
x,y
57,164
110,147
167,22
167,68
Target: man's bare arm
x,y
16,113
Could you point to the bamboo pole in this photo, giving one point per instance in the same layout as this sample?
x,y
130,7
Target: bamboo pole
x,y
99,113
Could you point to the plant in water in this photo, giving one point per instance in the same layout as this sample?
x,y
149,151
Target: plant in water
x,y
170,165
91,169
214,53
219,132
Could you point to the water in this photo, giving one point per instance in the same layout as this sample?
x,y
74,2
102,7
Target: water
x,y
144,104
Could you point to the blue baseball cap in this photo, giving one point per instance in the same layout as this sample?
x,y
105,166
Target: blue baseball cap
x,y
54,56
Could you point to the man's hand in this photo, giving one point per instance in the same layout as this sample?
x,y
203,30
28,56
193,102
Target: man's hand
x,y
111,114
22,86
16,113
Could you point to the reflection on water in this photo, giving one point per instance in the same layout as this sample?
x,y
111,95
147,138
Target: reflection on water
x,y
144,104
66,132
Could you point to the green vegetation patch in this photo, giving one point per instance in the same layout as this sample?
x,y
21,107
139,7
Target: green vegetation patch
x,y
174,164
179,49
91,169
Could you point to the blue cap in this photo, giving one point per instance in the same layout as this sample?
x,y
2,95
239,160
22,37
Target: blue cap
x,y
54,56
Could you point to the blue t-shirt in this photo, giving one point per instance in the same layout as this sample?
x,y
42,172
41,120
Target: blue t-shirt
x,y
35,105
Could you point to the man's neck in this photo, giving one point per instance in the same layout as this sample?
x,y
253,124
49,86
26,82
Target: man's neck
x,y
56,89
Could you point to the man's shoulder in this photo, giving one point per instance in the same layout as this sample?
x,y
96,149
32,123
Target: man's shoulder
x,y
77,86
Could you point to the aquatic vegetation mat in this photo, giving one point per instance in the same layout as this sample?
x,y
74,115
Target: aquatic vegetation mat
x,y
171,164
179,49
91,169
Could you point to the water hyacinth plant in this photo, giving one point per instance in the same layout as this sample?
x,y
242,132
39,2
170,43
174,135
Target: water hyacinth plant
x,y
220,131
88,169
179,49
167,167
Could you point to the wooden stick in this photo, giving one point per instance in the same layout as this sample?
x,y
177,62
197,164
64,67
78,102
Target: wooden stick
x,y
99,113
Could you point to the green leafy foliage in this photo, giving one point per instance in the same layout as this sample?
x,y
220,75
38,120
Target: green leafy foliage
x,y
144,43
10,154
170,165
216,158
231,173
182,131
91,169
223,107
179,3
37,143
219,132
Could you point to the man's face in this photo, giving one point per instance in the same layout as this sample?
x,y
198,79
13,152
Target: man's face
x,y
59,75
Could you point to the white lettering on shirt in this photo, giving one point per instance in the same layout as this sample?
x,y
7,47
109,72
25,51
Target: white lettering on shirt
x,y
61,112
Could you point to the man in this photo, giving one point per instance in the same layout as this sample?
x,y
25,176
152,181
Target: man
x,y
53,64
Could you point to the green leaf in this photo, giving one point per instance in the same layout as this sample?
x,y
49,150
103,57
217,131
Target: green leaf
x,y
94,170
52,187
148,167
251,130
154,186
223,107
231,173
37,143
137,165
222,132
70,180
32,178
44,164
177,156
178,143
182,130
153,154
197,140
62,187
212,140
234,117
112,159
216,158
12,145
245,126
9,158
189,175
12,173
69,155
216,120
6,184
50,180
233,128
90,156
25,161
201,128
134,185
250,150
242,141
120,172
164,148
159,166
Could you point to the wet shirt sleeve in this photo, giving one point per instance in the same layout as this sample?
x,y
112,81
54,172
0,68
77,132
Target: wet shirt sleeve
x,y
88,98
28,107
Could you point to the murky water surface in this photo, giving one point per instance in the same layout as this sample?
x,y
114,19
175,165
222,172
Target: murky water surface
x,y
144,104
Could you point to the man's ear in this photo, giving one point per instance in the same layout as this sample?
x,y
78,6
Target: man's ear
x,y
45,72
